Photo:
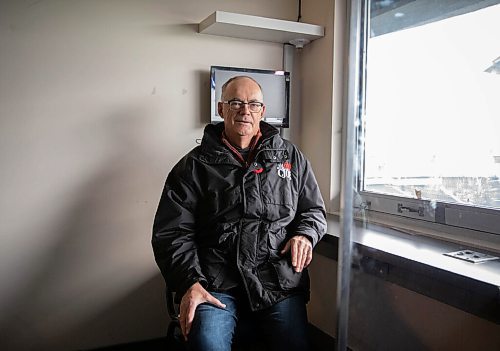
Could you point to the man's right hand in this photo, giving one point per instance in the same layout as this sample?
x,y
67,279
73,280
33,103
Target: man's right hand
x,y
194,296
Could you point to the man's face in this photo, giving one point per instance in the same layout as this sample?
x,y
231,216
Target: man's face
x,y
242,122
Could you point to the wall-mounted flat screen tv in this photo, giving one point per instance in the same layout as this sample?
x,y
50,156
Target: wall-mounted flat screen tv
x,y
275,87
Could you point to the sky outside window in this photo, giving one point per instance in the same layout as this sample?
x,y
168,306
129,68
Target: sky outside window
x,y
433,113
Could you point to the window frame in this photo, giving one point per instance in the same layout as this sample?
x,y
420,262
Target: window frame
x,y
456,222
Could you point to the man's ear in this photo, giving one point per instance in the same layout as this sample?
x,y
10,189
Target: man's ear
x,y
219,109
262,112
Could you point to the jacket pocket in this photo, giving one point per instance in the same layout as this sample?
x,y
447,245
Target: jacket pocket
x,y
277,188
278,178
279,196
280,276
287,277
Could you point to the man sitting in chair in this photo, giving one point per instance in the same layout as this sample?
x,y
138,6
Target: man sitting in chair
x,y
236,226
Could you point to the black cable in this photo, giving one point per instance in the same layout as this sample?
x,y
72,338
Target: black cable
x,y
300,11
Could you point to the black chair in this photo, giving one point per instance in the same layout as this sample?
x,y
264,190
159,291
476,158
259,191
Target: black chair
x,y
174,333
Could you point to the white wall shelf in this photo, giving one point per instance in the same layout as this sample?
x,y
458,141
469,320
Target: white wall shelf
x,y
258,28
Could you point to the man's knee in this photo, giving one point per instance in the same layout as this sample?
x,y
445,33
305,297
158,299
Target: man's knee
x,y
212,328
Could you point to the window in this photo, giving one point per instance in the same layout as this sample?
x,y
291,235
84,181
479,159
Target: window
x,y
429,127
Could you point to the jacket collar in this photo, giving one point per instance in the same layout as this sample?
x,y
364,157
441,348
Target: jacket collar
x,y
213,149
252,148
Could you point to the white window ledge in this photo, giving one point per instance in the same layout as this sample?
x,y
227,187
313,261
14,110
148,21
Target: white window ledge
x,y
418,263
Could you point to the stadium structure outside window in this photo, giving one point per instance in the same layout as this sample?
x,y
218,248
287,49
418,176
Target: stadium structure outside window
x,y
428,146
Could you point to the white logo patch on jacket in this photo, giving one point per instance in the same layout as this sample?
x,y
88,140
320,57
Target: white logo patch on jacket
x,y
284,170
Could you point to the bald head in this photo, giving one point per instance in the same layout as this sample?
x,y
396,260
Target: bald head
x,y
235,79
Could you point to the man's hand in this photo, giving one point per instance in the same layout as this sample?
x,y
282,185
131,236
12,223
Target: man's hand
x,y
195,295
301,251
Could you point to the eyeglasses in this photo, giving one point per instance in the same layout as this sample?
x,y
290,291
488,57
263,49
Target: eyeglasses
x,y
236,105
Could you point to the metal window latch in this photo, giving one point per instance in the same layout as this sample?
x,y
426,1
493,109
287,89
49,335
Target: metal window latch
x,y
407,209
471,256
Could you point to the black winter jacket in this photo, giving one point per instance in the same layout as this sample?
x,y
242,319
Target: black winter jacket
x,y
223,224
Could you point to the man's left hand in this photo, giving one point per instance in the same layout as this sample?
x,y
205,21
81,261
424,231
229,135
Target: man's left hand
x,y
301,248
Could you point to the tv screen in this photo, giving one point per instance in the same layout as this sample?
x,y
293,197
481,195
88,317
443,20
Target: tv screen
x,y
275,87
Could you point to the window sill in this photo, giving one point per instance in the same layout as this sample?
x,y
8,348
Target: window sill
x,y
418,263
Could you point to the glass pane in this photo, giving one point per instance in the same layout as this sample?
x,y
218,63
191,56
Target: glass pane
x,y
432,123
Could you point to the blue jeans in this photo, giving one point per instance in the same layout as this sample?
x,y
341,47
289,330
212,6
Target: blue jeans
x,y
280,327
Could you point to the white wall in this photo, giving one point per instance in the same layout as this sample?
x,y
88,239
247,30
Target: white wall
x,y
98,100
322,87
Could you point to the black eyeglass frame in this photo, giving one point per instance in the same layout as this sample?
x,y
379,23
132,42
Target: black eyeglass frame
x,y
260,104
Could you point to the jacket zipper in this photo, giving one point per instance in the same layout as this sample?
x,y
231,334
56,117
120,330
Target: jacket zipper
x,y
244,209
